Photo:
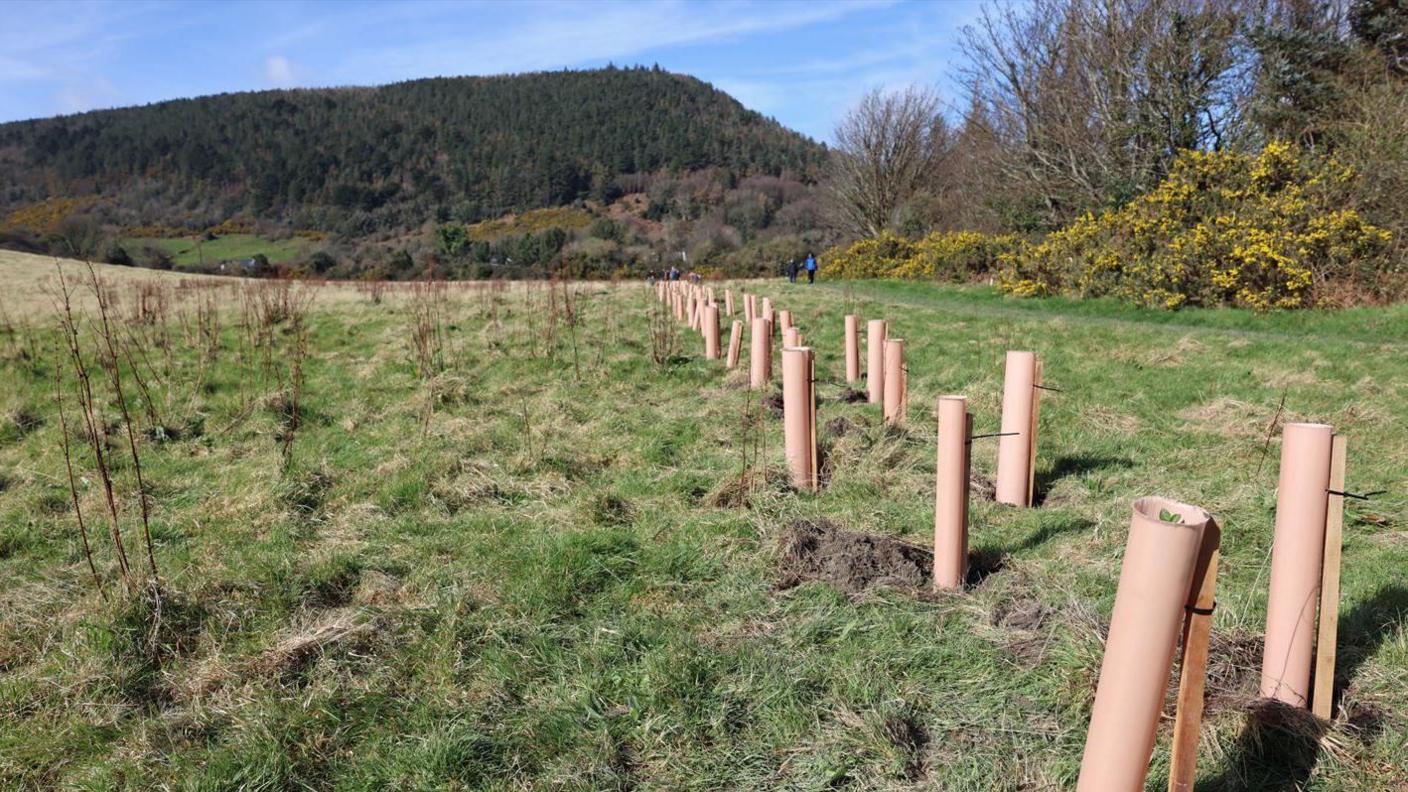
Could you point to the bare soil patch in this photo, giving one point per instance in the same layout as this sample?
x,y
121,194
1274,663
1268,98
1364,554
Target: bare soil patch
x,y
852,562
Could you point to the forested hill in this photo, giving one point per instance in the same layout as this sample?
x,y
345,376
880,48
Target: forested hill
x,y
357,160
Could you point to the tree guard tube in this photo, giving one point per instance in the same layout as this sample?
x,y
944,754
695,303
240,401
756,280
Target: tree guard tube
x,y
951,494
852,348
799,416
791,336
896,387
768,311
1159,562
760,353
728,302
711,332
875,331
1297,552
1014,448
735,342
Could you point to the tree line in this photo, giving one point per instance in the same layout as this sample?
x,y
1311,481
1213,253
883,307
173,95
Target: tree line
x,y
1068,107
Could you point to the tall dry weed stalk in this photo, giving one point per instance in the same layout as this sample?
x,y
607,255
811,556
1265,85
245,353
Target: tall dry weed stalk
x,y
21,344
83,344
299,352
429,301
374,290
429,306
572,315
273,332
664,340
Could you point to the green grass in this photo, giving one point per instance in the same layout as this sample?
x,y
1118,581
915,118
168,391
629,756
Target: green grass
x,y
188,251
534,590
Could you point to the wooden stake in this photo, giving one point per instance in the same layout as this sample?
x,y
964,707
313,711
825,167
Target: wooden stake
x,y
1031,437
811,419
1192,678
1327,637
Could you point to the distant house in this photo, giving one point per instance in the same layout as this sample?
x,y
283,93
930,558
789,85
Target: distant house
x,y
243,266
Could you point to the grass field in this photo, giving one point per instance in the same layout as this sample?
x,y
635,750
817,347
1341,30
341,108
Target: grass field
x,y
535,569
188,251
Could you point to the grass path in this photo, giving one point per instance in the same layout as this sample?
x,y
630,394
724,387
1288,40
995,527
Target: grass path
x,y
1384,327
550,583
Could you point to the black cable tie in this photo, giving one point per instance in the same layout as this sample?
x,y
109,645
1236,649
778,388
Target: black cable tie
x,y
1365,496
1201,611
992,434
1048,387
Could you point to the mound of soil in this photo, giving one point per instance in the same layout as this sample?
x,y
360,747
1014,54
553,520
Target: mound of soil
x,y
852,562
840,427
852,396
981,487
773,404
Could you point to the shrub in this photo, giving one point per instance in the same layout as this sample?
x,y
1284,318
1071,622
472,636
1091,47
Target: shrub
x,y
949,256
117,254
1258,231
44,217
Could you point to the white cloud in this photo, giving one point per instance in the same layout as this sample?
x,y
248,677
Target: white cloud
x,y
279,72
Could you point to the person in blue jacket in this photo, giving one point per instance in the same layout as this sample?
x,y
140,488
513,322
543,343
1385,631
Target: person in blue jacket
x,y
811,268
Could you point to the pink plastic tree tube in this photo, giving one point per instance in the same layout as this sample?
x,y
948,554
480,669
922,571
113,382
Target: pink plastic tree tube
x,y
1160,558
1014,448
1297,552
875,331
711,332
895,384
852,348
951,494
798,416
735,342
760,353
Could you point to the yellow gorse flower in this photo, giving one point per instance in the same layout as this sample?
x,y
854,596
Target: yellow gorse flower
x,y
1224,228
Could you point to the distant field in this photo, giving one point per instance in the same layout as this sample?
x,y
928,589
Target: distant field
x,y
188,250
535,569
28,284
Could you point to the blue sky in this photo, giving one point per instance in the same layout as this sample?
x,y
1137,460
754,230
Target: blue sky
x,y
801,62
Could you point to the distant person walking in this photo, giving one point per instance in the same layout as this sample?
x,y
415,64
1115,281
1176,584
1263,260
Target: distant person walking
x,y
674,273
792,270
811,266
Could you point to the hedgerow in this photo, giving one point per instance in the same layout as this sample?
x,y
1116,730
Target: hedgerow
x,y
1277,229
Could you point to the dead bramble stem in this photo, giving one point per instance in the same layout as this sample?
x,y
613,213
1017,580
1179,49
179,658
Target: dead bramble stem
x,y
112,366
95,432
72,479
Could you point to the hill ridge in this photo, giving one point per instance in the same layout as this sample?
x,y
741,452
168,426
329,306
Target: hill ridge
x,y
358,159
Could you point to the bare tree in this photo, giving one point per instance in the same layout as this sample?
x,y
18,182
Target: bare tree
x,y
1091,100
78,236
887,150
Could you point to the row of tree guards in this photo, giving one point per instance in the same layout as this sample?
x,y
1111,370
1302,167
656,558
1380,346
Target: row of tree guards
x,y
1166,592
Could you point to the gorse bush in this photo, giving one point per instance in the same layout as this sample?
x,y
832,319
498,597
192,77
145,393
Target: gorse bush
x,y
948,256
1277,229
